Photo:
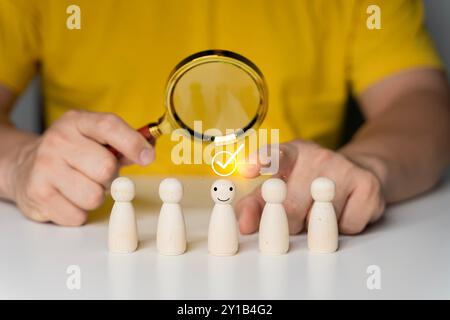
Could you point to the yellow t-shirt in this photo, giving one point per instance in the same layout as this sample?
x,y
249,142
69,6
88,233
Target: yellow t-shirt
x,y
311,53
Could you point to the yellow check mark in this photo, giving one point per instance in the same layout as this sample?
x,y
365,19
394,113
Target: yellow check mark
x,y
228,167
231,158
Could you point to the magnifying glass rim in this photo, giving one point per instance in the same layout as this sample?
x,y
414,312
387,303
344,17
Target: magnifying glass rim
x,y
211,56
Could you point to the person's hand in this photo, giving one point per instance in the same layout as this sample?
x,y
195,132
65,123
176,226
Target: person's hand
x,y
359,199
63,174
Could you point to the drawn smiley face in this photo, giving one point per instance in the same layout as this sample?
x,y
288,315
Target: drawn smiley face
x,y
223,191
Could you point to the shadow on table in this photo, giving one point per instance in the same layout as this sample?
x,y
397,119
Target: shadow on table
x,y
347,242
147,241
196,243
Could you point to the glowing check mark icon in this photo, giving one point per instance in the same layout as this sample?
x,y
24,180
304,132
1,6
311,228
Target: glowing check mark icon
x,y
231,158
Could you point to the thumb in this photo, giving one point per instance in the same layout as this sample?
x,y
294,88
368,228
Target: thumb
x,y
124,161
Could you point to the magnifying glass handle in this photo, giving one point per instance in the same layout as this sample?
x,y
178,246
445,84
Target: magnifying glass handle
x,y
148,132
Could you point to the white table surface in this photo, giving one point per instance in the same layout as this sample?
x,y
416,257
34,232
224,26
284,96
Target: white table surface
x,y
411,246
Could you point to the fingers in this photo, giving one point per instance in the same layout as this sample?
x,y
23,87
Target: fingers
x,y
35,215
78,189
249,210
275,159
250,168
95,162
64,213
345,176
64,172
51,205
287,156
297,167
297,204
358,200
313,162
297,200
364,205
107,128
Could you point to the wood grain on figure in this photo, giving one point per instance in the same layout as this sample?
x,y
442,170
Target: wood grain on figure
x,y
122,233
274,227
323,227
171,233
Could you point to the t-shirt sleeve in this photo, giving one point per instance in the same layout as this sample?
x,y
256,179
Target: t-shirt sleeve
x,y
19,43
401,43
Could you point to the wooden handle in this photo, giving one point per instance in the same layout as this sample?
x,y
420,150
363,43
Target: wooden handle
x,y
146,131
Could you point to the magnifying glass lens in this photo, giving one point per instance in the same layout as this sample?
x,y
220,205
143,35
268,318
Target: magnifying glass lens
x,y
216,95
221,95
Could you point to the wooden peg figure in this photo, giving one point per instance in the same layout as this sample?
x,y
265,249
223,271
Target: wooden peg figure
x,y
322,227
123,234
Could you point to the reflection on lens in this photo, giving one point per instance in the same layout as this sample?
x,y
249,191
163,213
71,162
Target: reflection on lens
x,y
220,94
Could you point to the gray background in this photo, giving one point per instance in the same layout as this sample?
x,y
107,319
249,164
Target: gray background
x,y
26,114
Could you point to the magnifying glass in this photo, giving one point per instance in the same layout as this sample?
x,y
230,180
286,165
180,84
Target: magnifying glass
x,y
222,89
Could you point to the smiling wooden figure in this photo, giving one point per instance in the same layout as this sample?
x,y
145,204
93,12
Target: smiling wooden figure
x,y
223,233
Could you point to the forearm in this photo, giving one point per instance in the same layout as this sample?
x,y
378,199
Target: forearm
x,y
11,143
407,145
